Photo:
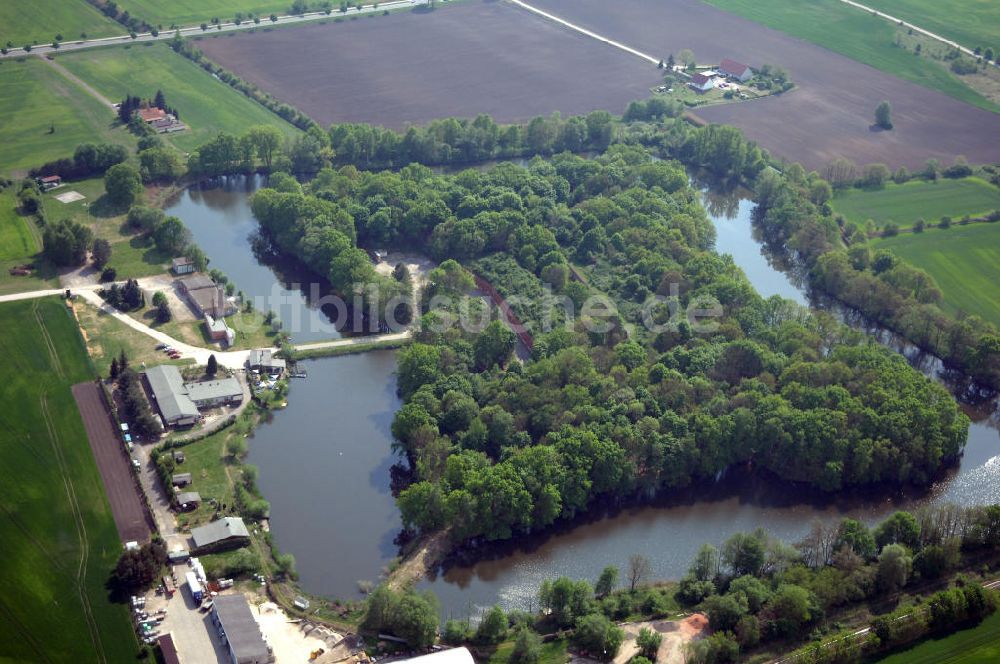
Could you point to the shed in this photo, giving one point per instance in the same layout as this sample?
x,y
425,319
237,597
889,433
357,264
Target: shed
x,y
49,182
182,265
188,500
263,360
178,456
181,479
226,533
168,649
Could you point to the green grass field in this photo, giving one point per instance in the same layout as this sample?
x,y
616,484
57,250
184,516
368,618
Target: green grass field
x,y
45,116
857,35
918,199
188,12
59,540
971,23
979,645
20,240
965,262
205,104
39,21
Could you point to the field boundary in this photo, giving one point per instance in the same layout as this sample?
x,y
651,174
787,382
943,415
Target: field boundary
x,y
130,512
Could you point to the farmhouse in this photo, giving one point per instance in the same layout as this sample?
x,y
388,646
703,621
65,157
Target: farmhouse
x,y
239,631
182,265
49,182
702,82
226,533
160,120
212,393
206,296
167,388
265,362
737,70
179,402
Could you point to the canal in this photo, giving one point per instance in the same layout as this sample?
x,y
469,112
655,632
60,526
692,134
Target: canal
x,y
325,460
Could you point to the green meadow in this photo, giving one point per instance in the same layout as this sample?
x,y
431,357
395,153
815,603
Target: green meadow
x,y
20,240
978,645
45,116
60,542
858,35
188,12
206,105
965,262
39,21
918,199
971,23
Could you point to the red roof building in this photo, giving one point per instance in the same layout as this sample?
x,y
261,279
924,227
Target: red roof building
x,y
701,82
168,649
152,114
737,70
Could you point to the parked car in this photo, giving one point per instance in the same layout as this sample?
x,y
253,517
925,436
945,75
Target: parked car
x,y
161,346
136,463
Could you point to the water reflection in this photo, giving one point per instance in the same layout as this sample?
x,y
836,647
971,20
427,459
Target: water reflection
x,y
219,217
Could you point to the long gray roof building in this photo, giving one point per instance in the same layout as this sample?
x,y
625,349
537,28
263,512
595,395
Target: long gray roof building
x,y
243,638
171,397
219,533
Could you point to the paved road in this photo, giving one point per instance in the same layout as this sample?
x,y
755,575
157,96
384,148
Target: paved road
x,y
234,359
193,30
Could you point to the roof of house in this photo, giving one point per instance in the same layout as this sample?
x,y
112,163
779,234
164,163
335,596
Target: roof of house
x,y
150,114
209,390
181,477
265,358
168,649
241,629
219,531
732,67
52,178
196,282
183,260
188,497
215,324
700,79
210,300
448,656
170,394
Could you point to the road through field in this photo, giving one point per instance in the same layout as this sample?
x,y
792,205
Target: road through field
x,y
585,31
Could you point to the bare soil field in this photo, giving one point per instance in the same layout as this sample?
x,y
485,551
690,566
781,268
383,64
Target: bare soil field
x,y
127,508
457,61
831,112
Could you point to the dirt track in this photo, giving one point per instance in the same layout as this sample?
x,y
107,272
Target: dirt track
x,y
828,116
127,508
459,61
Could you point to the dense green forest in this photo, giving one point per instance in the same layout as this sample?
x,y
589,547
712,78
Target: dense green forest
x,y
610,408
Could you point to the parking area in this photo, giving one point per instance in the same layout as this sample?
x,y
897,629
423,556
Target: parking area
x,y
193,632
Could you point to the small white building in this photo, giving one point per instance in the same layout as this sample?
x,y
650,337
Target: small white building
x,y
702,82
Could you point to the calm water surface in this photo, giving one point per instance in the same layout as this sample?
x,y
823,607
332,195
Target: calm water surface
x,y
324,461
219,217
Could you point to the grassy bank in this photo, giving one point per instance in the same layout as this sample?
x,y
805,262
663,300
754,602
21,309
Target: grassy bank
x,y
352,349
918,199
45,116
971,23
60,542
978,645
39,21
206,105
20,241
965,262
857,35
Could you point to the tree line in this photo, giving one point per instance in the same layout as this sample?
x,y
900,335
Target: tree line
x,y
756,591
